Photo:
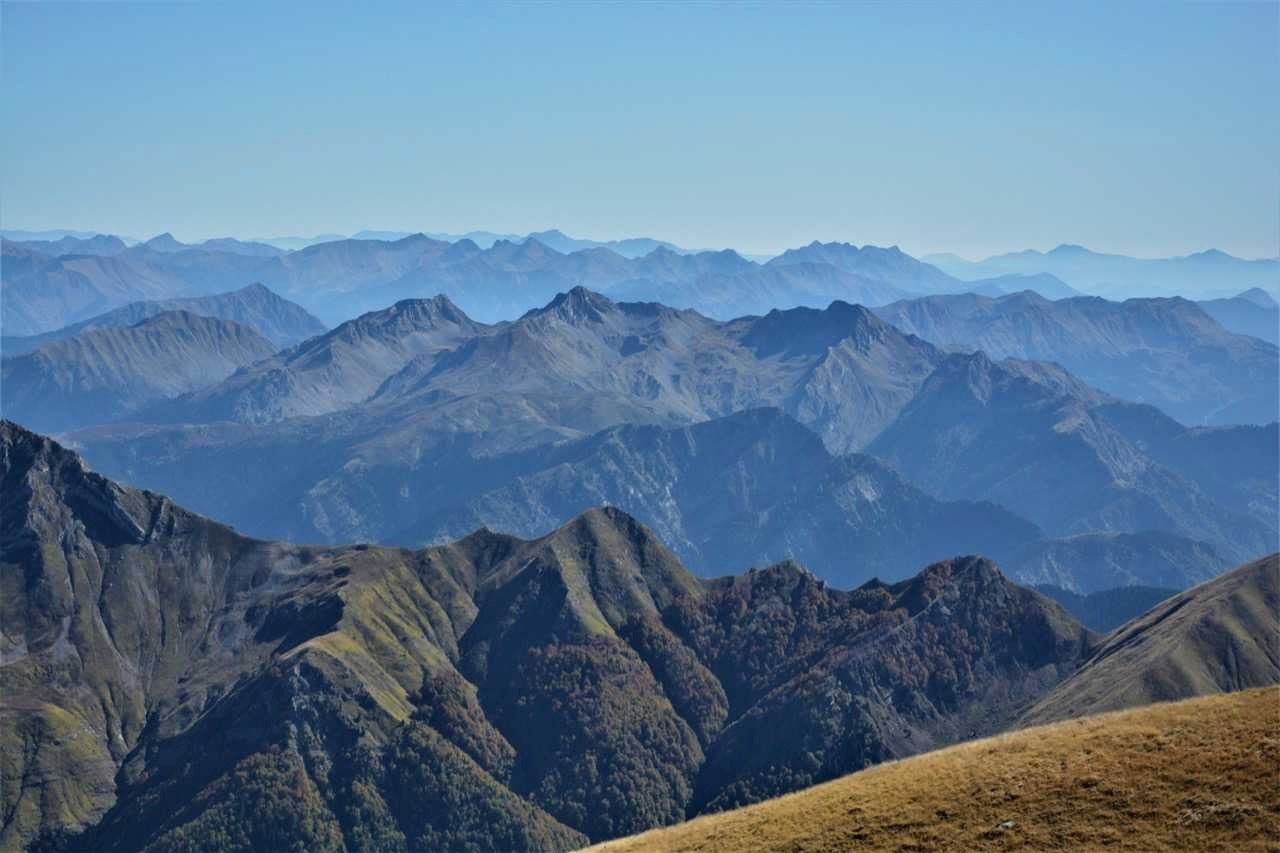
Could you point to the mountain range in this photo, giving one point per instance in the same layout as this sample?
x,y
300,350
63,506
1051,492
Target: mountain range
x,y
49,285
415,424
278,320
1074,460
1207,274
167,682
1167,352
493,692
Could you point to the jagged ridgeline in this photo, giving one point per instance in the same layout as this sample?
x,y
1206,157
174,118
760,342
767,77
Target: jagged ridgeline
x,y
169,684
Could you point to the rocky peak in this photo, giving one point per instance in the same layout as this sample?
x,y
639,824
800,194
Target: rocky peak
x,y
810,331
578,306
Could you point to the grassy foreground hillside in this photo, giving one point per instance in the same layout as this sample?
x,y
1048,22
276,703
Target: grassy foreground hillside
x,y
1196,775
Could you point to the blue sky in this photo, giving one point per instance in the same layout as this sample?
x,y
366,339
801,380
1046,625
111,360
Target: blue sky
x,y
1148,129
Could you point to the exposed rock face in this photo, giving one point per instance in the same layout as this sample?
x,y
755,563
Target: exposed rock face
x,y
166,681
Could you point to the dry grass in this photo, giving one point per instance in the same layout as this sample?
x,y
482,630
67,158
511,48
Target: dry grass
x,y
1203,774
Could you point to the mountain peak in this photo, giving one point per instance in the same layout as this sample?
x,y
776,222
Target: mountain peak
x,y
164,243
812,330
1258,296
579,304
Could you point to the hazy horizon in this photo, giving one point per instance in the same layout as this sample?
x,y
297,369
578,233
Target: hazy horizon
x,y
461,232
1144,130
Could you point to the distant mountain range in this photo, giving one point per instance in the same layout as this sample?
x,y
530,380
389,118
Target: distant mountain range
x,y
1167,352
414,424
280,321
1204,275
167,679
1108,609
51,284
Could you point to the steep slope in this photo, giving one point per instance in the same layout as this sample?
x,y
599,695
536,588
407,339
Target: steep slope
x,y
107,374
213,671
1072,460
1167,352
748,489
167,683
1252,313
582,363
1196,775
334,370
278,320
1218,637
578,366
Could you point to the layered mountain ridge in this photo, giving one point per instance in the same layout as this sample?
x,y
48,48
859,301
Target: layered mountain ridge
x,y
278,320
377,420
1167,352
492,692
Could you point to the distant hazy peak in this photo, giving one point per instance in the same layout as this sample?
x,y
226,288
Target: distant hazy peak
x,y
814,330
165,242
578,304
1258,296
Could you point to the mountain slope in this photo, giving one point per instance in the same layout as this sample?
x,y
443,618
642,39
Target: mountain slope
x,y
1252,313
334,370
748,489
1073,460
278,320
1166,352
166,681
1195,775
1093,562
582,363
106,374
1215,638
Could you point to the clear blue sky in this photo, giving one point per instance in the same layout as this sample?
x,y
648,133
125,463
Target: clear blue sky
x,y
1148,129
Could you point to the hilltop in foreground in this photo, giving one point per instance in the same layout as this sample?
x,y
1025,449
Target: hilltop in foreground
x,y
1196,775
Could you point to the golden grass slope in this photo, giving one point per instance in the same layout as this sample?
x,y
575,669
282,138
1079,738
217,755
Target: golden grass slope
x,y
1218,637
1195,775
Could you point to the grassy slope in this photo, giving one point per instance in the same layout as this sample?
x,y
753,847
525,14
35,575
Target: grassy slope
x,y
1194,775
1217,637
